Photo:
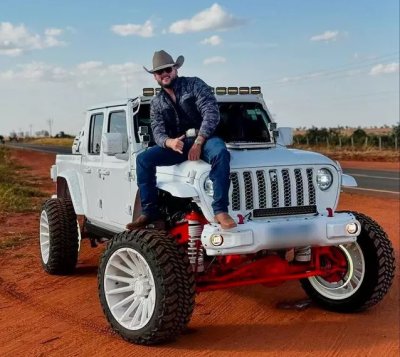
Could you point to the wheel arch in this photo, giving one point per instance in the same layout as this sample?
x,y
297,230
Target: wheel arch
x,y
178,189
68,186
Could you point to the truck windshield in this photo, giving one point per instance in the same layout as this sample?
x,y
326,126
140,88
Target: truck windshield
x,y
240,122
243,122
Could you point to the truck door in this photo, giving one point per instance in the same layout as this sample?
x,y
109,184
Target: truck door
x,y
115,172
91,166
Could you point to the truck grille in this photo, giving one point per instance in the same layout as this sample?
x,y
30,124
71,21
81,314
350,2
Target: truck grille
x,y
272,188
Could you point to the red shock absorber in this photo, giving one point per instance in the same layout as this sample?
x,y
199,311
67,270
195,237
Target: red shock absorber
x,y
195,248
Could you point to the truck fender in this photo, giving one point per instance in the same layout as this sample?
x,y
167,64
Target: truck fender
x,y
178,189
68,186
348,181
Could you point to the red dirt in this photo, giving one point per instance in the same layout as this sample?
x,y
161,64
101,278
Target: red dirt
x,y
372,165
43,315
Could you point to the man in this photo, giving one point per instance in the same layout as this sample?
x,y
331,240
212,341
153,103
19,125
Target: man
x,y
183,103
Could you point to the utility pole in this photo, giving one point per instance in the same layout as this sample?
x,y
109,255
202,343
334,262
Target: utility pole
x,y
50,122
30,130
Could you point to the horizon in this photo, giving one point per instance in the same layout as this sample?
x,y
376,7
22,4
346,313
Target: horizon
x,y
318,64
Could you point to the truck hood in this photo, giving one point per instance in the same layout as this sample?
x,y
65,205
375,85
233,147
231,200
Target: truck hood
x,y
276,157
242,159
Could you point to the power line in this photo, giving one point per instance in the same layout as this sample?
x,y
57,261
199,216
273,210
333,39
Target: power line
x,y
334,72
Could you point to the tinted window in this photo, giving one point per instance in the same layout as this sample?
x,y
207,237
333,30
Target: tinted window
x,y
96,128
243,122
142,118
117,124
240,121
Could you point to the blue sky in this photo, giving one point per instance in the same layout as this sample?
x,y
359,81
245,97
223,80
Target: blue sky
x,y
321,63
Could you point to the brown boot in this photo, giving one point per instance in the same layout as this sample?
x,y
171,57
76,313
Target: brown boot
x,y
140,222
225,220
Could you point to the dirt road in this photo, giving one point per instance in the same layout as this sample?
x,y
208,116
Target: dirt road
x,y
43,315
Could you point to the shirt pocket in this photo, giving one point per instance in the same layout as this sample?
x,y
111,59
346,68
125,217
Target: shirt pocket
x,y
188,103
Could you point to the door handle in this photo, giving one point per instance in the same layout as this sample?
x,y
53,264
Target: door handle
x,y
87,170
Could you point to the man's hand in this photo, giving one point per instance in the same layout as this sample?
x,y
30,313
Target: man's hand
x,y
175,144
195,150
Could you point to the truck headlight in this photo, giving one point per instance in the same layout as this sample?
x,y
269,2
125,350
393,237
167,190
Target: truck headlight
x,y
324,179
208,187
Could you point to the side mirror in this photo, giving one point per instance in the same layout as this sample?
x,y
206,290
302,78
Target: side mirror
x,y
285,136
272,128
112,143
144,136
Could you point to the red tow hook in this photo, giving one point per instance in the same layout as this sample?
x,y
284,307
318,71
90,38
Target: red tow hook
x,y
330,211
240,219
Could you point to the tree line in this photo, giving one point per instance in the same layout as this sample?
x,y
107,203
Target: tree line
x,y
359,138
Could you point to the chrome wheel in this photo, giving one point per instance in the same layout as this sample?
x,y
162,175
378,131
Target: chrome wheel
x,y
44,237
129,288
350,282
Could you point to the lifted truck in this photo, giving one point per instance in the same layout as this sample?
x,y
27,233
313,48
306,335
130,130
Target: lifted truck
x,y
284,201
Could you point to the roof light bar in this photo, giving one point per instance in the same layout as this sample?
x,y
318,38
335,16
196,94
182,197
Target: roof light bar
x,y
148,92
220,90
255,90
233,90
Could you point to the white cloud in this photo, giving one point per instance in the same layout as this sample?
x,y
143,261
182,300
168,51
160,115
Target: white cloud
x,y
384,69
214,40
12,52
53,32
37,71
145,30
86,72
88,66
326,36
216,59
16,39
213,18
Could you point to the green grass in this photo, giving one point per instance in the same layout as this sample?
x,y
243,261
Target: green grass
x,y
65,142
12,242
17,188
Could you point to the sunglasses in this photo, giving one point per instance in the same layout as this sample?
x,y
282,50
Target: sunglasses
x,y
166,70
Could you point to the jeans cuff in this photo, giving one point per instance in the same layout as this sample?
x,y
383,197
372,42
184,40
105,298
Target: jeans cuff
x,y
220,211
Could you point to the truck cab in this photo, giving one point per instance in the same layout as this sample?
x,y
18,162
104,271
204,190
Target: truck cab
x,y
114,133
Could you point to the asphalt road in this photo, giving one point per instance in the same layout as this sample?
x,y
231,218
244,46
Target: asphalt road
x,y
378,182
370,182
45,148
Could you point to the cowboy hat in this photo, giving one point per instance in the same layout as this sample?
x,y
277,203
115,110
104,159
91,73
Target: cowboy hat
x,y
162,59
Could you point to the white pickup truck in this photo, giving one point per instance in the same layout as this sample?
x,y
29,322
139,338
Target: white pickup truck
x,y
284,201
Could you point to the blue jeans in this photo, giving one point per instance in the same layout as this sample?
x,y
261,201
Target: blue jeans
x,y
213,151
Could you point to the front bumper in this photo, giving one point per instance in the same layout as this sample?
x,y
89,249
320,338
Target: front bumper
x,y
281,233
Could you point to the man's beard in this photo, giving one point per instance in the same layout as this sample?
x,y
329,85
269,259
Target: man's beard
x,y
169,85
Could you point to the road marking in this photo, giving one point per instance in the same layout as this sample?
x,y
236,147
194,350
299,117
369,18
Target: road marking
x,y
378,177
373,190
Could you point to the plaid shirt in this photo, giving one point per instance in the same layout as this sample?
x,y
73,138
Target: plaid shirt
x,y
195,107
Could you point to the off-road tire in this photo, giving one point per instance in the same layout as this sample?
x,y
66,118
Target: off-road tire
x,y
173,280
63,236
379,271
